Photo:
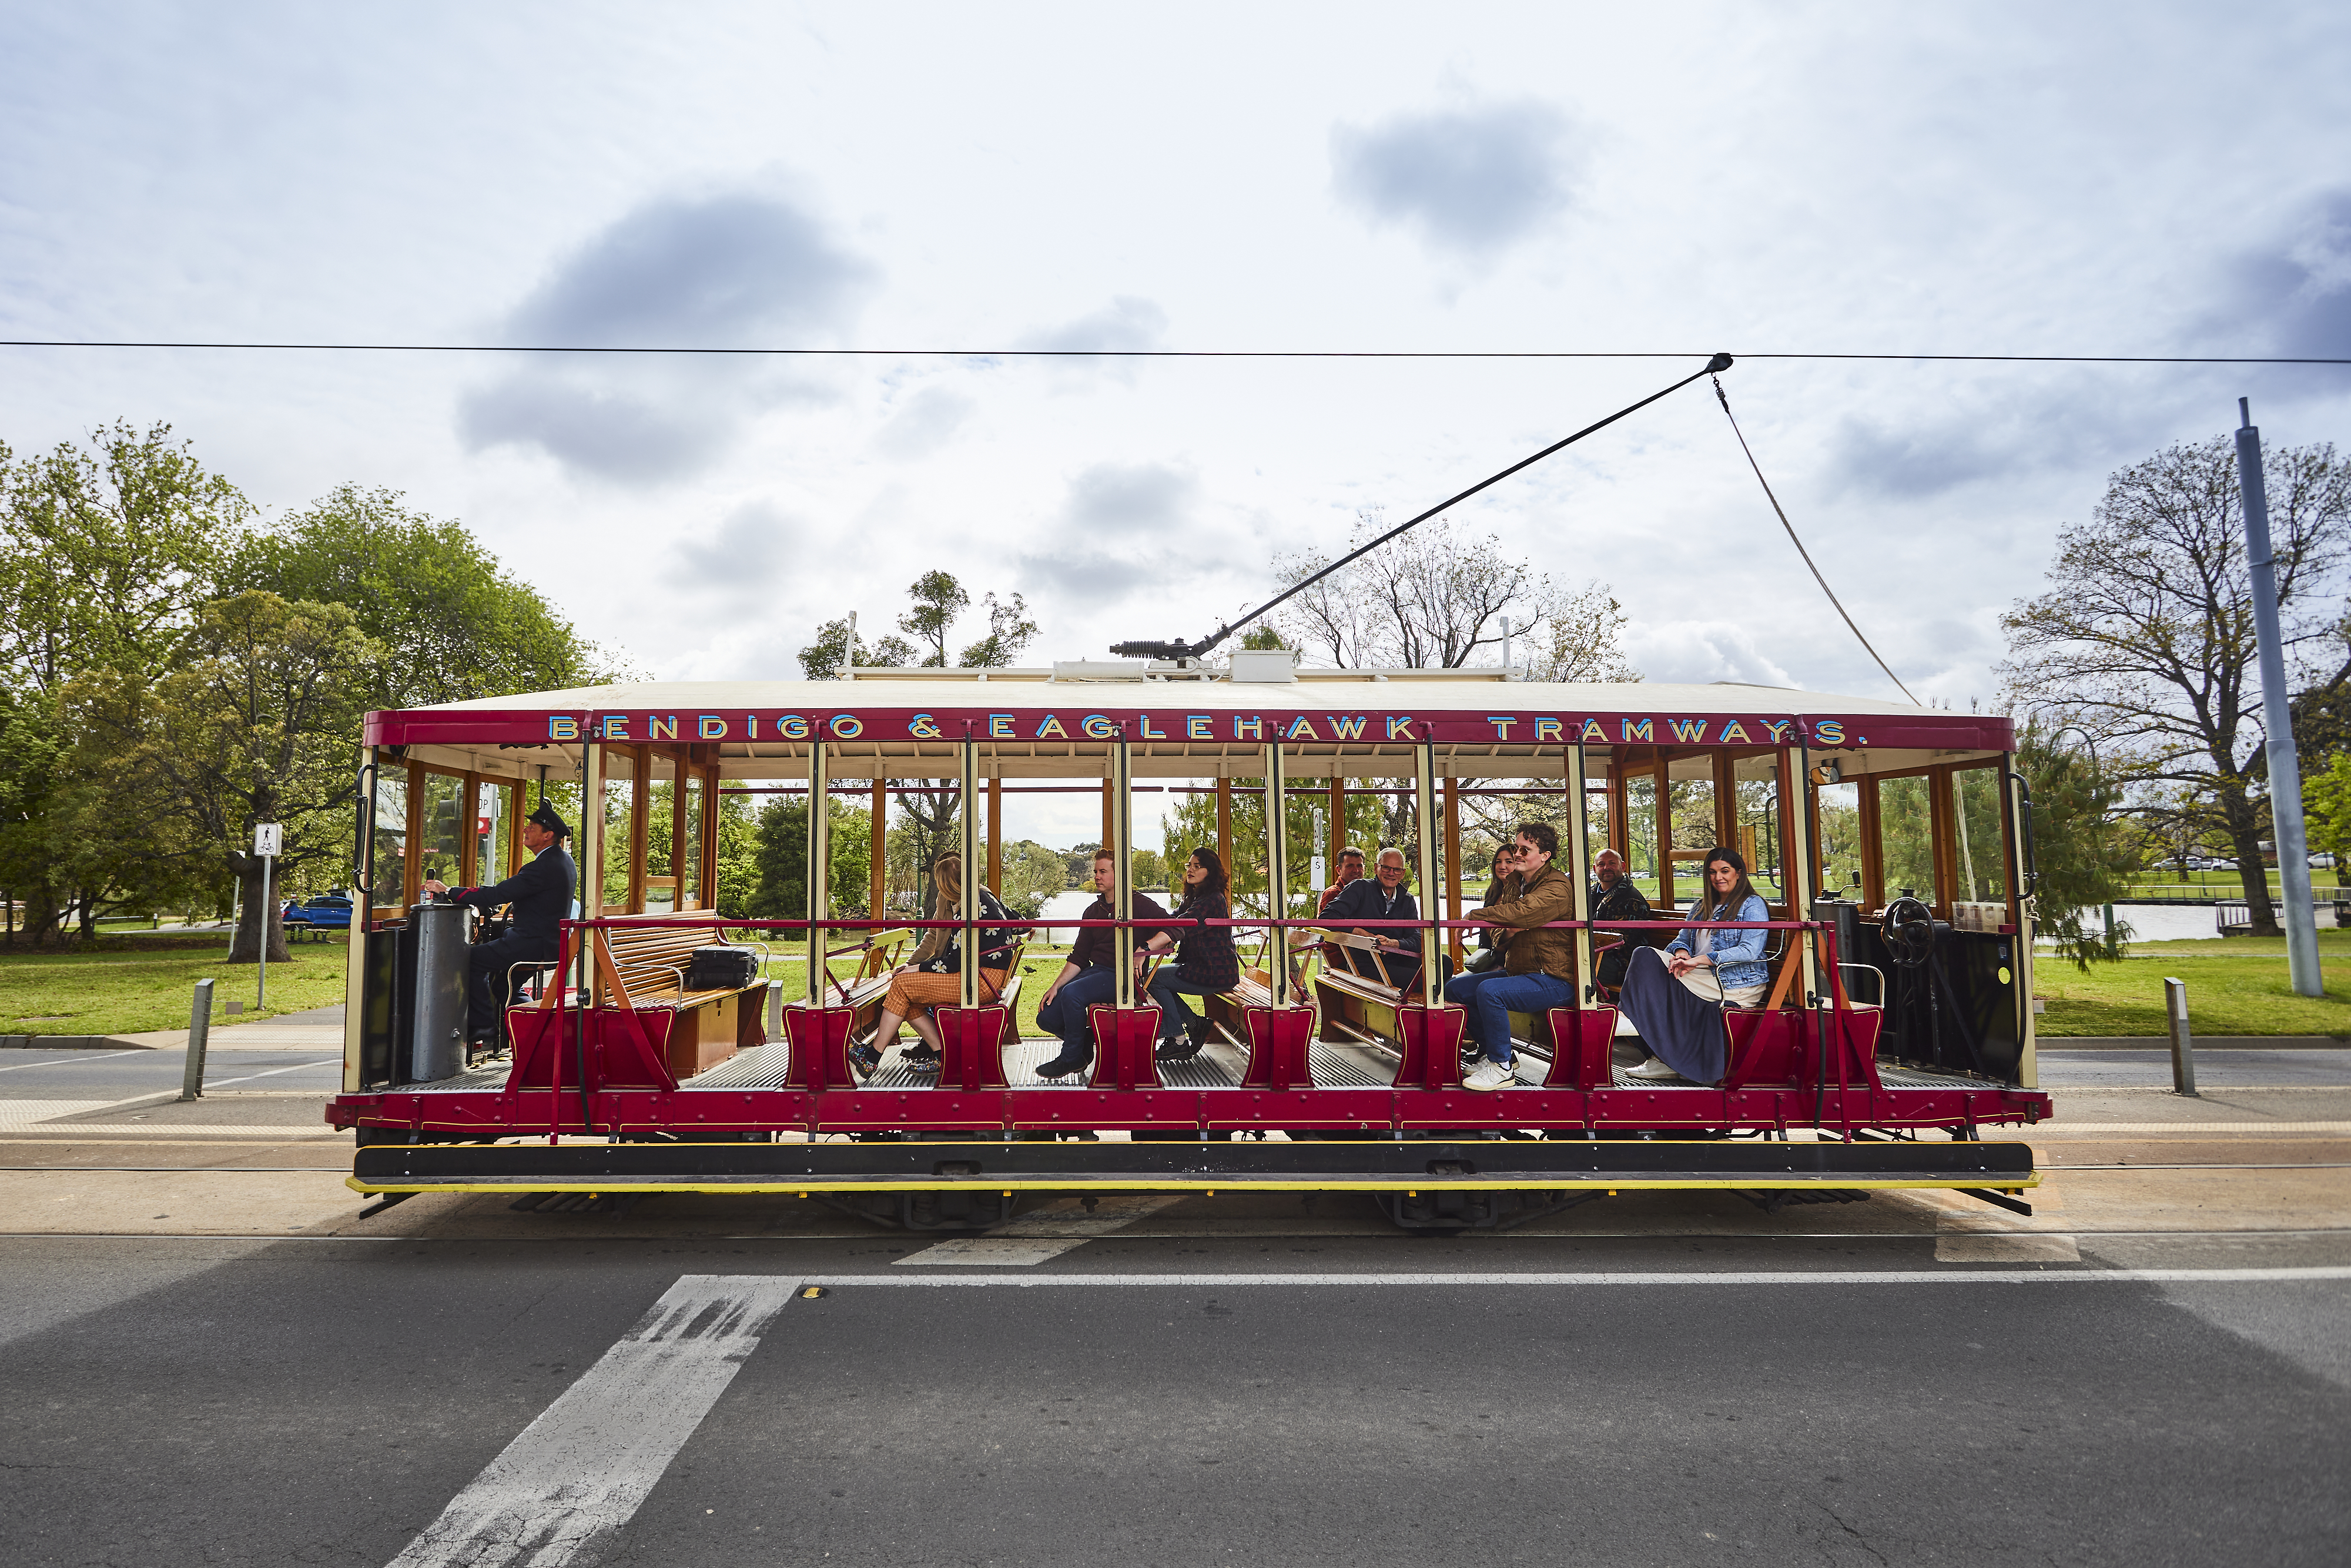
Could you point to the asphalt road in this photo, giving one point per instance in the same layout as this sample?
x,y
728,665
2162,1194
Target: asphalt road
x,y
325,1402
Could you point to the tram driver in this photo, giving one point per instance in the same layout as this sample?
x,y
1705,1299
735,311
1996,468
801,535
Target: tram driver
x,y
541,894
1089,977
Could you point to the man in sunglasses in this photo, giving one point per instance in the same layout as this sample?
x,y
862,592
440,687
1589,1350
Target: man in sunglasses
x,y
1538,968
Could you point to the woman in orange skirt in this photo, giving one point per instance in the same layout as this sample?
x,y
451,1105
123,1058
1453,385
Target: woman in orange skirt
x,y
933,976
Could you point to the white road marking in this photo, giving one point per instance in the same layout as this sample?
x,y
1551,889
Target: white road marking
x,y
66,1061
1042,1234
1774,1277
2048,1130
224,1083
585,1466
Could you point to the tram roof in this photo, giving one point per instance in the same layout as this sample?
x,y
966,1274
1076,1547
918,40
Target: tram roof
x,y
1059,722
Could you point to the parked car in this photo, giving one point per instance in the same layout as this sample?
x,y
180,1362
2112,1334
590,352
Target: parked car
x,y
318,917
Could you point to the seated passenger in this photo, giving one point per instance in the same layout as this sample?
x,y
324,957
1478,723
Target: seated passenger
x,y
1613,897
1675,1002
1350,869
1088,977
934,975
1383,897
1538,968
1206,964
1500,883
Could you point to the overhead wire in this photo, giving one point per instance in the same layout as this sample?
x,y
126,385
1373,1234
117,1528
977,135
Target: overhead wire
x,y
1724,398
1145,353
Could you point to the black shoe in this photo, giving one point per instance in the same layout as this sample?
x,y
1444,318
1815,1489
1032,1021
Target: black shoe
x,y
1176,1051
917,1053
1064,1066
1198,1032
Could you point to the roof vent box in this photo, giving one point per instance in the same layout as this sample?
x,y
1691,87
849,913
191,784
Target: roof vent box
x,y
1265,665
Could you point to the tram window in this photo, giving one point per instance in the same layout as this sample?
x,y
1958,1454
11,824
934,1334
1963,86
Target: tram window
x,y
1641,832
661,809
388,864
444,826
618,791
1906,832
1981,859
1757,819
491,833
1691,803
1840,847
689,875
1596,831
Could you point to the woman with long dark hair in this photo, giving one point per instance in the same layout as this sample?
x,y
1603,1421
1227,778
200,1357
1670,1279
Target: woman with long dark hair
x,y
1675,998
1206,962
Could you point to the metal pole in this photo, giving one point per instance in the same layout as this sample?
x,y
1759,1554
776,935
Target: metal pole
x,y
261,995
820,858
2277,717
2183,1046
967,846
1276,869
1118,814
1425,831
200,1023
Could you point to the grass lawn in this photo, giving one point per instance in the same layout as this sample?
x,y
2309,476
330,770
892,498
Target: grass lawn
x,y
131,983
2235,986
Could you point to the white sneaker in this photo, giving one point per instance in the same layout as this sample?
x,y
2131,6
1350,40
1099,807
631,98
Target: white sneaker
x,y
1653,1068
1489,1074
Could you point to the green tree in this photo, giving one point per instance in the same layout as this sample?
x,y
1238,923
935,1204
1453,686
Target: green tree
x,y
253,726
2326,809
780,890
938,600
2078,848
2145,639
455,624
105,555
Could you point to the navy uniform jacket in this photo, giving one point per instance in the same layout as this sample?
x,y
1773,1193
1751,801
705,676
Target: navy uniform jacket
x,y
1363,900
541,896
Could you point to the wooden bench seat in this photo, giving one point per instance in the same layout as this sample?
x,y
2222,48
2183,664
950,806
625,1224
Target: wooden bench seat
x,y
644,964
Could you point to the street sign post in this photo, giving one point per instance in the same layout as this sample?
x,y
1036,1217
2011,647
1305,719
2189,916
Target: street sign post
x,y
269,842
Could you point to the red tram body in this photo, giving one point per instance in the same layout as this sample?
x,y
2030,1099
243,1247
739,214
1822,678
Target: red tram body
x,y
1879,1059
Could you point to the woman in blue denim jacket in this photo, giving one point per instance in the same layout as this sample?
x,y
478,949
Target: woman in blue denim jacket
x,y
1675,999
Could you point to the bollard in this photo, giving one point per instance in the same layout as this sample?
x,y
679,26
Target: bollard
x,y
200,1023
2183,1047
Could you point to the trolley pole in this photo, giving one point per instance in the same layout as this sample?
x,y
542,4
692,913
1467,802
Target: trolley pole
x,y
2277,718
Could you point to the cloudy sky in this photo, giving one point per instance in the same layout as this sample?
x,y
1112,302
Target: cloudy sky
x,y
2123,179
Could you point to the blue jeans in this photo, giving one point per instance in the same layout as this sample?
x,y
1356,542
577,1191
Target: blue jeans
x,y
1169,986
1065,1016
1491,998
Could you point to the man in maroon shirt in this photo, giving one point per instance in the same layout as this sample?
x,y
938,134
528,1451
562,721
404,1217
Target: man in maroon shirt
x,y
1351,869
1088,978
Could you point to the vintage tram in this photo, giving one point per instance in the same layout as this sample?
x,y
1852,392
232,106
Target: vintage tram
x,y
1893,843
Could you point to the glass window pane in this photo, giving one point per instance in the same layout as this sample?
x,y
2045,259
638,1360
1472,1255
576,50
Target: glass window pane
x,y
1641,832
1758,829
1840,845
617,794
689,874
493,834
444,827
1907,832
1983,866
388,864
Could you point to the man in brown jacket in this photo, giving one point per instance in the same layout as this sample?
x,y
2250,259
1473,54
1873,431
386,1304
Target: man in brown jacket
x,y
1538,968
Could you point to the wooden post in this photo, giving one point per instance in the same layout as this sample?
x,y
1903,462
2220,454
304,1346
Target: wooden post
x,y
1944,833
879,872
1726,803
1425,829
707,887
1619,829
1453,865
1110,831
1225,819
1665,792
518,802
996,835
469,847
1799,861
1339,830
412,857
679,768
593,759
1277,871
1579,870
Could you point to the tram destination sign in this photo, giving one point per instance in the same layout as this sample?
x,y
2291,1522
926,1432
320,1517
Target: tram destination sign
x,y
1202,725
